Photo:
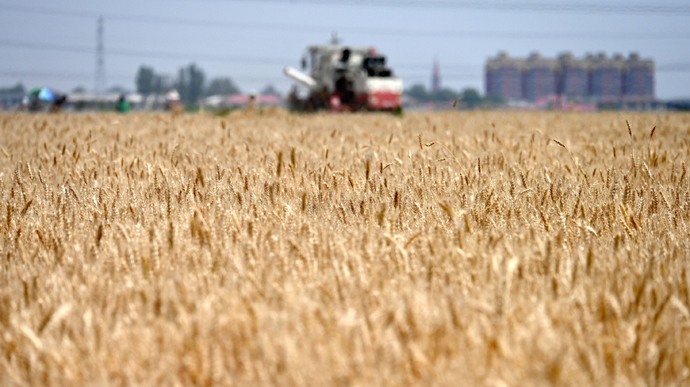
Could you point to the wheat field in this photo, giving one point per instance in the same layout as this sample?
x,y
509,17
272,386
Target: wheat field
x,y
432,249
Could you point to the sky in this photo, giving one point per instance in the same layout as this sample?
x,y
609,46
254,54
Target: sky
x,y
53,42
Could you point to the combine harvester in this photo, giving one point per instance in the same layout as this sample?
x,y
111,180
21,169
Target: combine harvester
x,y
345,78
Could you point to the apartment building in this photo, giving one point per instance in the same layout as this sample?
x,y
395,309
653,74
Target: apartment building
x,y
595,77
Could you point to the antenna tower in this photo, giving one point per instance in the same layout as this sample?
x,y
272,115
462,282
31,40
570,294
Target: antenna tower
x,y
99,84
335,40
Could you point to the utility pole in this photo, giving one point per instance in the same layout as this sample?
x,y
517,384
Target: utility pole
x,y
99,84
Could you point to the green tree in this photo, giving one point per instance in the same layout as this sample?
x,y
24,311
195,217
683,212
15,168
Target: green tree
x,y
117,89
222,86
471,98
146,80
161,84
270,90
17,89
190,83
418,91
495,99
443,95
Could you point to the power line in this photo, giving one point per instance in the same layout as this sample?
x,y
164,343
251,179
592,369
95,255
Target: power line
x,y
162,20
539,7
674,67
281,27
187,56
174,55
147,53
118,77
61,75
669,67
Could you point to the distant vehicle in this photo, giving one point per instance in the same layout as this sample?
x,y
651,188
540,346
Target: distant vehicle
x,y
345,78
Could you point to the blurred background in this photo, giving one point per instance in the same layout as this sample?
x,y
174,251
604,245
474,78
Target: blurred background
x,y
235,47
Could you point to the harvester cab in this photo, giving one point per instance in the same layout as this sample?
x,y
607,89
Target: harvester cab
x,y
344,78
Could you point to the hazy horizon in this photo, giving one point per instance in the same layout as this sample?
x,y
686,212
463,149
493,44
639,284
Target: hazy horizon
x,y
53,43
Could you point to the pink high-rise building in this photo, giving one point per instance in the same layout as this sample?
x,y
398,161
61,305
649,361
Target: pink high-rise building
x,y
436,77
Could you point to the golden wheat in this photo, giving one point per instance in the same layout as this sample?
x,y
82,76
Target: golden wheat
x,y
154,249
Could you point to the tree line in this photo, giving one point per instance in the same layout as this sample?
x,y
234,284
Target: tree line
x,y
190,82
469,97
16,89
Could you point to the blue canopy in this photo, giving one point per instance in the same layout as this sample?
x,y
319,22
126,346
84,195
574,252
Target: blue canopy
x,y
47,95
44,94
